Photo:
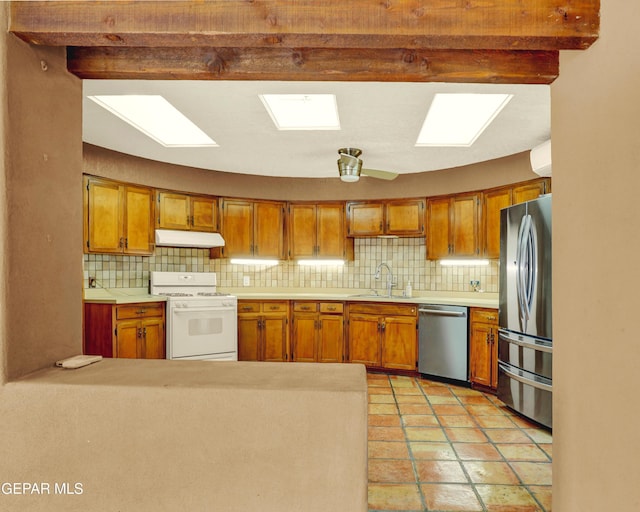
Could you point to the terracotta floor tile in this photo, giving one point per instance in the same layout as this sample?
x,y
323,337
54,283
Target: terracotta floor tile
x,y
448,471
520,421
460,391
386,434
378,384
449,410
485,472
476,451
411,399
415,409
381,399
394,497
443,400
539,435
437,391
547,448
466,435
391,471
380,390
383,409
407,391
507,435
420,420
451,497
523,452
458,421
388,450
494,421
533,472
483,410
384,420
543,494
474,399
432,451
507,498
402,382
425,434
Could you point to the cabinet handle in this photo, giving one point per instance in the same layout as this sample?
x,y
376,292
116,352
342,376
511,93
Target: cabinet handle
x,y
144,332
331,308
121,242
139,333
383,326
274,308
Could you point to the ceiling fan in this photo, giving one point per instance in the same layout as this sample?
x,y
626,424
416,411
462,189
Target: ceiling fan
x,y
350,167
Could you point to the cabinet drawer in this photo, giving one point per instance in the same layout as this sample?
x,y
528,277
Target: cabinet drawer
x,y
382,309
331,307
489,316
275,307
140,310
248,307
305,306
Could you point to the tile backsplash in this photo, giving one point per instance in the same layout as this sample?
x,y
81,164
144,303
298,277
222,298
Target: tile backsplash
x,y
405,256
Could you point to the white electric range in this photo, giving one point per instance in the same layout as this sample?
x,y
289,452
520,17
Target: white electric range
x,y
202,323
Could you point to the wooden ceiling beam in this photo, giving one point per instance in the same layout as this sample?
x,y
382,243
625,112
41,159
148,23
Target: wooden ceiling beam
x,y
319,64
546,25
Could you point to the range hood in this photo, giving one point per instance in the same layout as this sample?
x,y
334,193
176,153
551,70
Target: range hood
x,y
175,238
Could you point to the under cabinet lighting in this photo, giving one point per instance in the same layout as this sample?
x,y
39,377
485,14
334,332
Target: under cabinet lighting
x,y
302,111
464,263
459,119
250,261
158,119
319,263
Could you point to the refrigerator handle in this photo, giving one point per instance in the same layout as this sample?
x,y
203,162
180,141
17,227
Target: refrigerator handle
x,y
523,380
520,271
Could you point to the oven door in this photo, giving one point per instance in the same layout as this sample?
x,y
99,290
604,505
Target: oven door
x,y
202,332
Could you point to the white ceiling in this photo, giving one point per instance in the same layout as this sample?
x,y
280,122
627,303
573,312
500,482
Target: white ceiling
x,y
382,119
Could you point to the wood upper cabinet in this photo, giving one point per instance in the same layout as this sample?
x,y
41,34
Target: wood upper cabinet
x,y
125,330
383,335
403,217
317,230
263,330
483,347
453,226
186,211
118,217
253,229
496,199
317,332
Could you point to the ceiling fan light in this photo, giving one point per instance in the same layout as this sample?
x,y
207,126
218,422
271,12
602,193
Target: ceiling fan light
x,y
349,178
349,165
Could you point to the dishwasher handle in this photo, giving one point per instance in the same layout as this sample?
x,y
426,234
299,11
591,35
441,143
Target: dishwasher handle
x,y
441,312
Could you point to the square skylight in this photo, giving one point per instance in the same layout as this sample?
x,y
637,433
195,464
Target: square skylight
x,y
154,116
459,119
302,111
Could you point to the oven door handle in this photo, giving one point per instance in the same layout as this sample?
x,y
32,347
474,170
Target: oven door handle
x,y
201,310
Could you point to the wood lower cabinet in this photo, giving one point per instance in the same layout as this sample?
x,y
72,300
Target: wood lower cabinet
x,y
383,335
263,330
483,347
317,332
125,330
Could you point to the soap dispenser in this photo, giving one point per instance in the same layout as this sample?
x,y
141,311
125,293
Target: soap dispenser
x,y
407,289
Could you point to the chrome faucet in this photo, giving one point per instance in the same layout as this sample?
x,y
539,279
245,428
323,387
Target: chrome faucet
x,y
389,276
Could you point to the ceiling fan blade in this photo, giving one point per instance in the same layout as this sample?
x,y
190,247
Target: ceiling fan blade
x,y
382,175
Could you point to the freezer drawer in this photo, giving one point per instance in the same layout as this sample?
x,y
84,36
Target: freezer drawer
x,y
526,352
529,394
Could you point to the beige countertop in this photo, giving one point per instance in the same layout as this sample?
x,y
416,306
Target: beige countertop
x,y
120,295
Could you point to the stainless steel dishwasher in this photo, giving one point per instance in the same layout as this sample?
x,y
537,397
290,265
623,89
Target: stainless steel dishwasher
x,y
443,341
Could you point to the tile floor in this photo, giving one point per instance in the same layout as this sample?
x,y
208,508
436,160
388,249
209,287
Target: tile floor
x,y
440,447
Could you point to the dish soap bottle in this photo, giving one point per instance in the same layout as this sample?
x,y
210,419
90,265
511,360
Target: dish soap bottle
x,y
407,289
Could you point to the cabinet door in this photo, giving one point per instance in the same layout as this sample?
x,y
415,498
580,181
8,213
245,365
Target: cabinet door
x,y
530,190
138,220
173,211
365,219
330,231
480,354
237,228
203,213
274,338
103,216
364,339
153,338
304,341
268,230
465,240
438,228
399,343
405,217
249,338
128,339
331,339
303,242
493,201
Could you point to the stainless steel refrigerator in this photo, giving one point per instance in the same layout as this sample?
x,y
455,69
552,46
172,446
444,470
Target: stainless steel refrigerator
x,y
525,344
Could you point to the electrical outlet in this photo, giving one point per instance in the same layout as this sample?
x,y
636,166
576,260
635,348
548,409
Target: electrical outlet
x,y
246,281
